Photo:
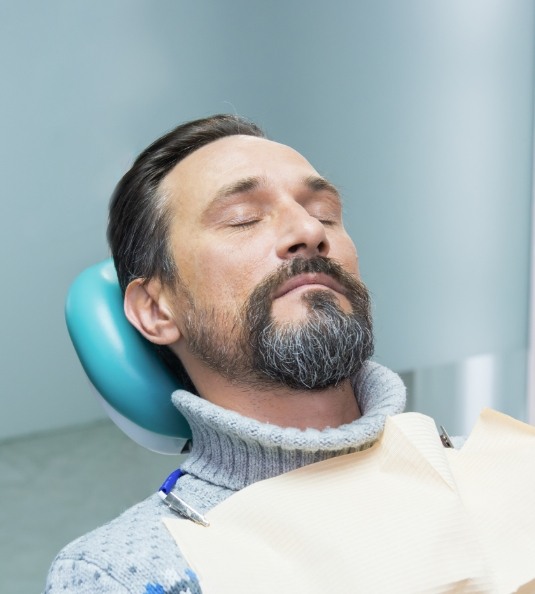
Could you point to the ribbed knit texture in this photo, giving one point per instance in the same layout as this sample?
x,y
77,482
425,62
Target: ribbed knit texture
x,y
233,451
135,554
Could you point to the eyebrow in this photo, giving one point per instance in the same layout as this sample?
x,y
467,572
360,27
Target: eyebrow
x,y
241,186
315,183
320,184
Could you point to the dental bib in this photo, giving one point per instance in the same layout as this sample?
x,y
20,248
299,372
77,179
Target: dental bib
x,y
406,515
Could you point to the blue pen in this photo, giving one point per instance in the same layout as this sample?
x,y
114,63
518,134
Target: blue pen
x,y
175,503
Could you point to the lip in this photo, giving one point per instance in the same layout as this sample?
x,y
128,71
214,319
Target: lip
x,y
310,278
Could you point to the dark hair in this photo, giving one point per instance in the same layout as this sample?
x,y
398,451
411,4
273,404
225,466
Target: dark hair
x,y
139,218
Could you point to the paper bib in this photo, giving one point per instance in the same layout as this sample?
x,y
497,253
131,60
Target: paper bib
x,y
405,516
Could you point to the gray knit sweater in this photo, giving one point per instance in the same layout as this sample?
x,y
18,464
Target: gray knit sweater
x,y
135,554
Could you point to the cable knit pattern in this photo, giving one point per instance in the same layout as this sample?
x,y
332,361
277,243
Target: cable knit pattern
x,y
134,554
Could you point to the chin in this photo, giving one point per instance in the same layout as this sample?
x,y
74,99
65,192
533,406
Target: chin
x,y
297,306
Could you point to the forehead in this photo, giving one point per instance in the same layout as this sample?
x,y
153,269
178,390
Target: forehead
x,y
194,181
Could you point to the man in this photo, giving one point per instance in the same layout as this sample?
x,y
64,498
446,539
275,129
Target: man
x,y
234,261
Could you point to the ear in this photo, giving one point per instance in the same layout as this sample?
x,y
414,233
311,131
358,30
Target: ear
x,y
147,309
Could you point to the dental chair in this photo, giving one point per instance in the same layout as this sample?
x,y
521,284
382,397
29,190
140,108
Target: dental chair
x,y
131,381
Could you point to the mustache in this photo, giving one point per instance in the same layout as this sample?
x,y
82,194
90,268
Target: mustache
x,y
297,266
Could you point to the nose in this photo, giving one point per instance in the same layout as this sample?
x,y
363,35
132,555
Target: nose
x,y
301,235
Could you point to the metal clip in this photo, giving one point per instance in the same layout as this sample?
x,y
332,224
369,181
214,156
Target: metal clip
x,y
181,507
445,438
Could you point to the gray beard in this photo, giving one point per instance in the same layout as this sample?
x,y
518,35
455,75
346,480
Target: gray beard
x,y
322,351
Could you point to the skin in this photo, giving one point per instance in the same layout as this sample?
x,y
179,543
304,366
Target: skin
x,y
241,206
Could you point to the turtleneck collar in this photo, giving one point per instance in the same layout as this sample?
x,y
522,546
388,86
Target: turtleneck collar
x,y
234,451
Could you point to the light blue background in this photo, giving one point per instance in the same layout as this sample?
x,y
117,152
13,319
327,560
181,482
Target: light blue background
x,y
421,111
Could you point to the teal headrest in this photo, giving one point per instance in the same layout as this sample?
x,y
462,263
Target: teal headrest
x,y
133,382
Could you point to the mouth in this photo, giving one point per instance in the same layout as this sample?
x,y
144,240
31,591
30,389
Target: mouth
x,y
310,279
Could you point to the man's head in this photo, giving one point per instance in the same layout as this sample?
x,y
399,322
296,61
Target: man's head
x,y
231,250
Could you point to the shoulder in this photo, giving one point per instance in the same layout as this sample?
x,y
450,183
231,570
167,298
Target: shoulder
x,y
132,554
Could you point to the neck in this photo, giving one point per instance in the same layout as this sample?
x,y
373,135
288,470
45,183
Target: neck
x,y
233,451
282,406
272,403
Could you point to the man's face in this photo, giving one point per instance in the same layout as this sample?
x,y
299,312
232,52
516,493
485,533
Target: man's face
x,y
244,209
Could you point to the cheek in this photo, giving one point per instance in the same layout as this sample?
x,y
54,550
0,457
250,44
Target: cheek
x,y
343,250
220,276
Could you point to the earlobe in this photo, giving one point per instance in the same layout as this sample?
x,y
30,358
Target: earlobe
x,y
147,309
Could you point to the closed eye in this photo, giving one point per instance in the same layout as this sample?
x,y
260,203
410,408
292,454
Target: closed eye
x,y
243,224
326,218
325,212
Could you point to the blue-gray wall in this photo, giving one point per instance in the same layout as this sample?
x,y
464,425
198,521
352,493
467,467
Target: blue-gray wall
x,y
421,111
